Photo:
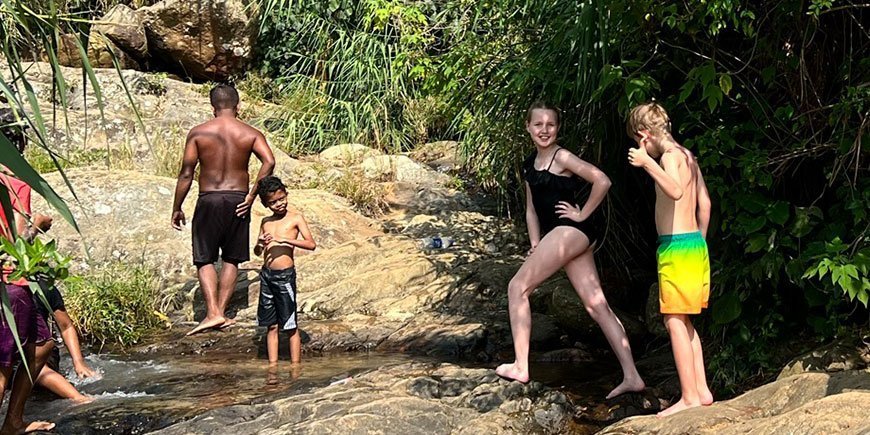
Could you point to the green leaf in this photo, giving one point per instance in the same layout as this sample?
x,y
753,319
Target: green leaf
x,y
778,213
727,308
725,83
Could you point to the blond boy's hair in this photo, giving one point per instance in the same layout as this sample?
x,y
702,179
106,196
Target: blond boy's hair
x,y
648,116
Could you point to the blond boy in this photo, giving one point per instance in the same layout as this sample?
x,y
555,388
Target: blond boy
x,y
682,217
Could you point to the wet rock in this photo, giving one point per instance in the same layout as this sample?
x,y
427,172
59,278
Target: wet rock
x,y
407,399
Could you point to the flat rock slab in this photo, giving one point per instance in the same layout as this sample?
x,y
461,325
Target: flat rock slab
x,y
414,398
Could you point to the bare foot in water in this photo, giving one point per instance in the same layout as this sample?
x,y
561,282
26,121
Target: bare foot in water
x,y
83,399
513,373
681,405
208,323
34,426
627,386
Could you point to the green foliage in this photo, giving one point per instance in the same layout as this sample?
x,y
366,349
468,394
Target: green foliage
x,y
367,196
114,304
34,259
344,70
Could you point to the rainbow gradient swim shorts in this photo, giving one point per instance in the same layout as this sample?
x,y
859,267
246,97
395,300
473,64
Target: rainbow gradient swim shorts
x,y
684,273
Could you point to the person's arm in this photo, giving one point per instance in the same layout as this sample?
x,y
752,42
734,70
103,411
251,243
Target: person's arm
x,y
598,179
185,179
267,165
704,205
307,241
71,340
667,176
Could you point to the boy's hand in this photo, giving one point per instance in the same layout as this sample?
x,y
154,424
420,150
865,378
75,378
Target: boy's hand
x,y
568,211
42,222
178,220
244,206
264,239
638,157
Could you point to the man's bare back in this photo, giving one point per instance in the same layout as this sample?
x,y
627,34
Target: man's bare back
x,y
224,147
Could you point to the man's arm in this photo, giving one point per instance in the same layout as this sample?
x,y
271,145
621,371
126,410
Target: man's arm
x,y
185,179
704,204
267,159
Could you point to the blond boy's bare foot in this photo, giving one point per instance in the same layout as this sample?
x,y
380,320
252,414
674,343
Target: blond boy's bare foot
x,y
706,397
34,426
513,373
681,405
627,386
208,323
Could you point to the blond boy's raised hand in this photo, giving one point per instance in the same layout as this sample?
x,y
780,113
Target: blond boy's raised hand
x,y
638,157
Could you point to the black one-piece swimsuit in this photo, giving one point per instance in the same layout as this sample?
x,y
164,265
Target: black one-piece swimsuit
x,y
548,189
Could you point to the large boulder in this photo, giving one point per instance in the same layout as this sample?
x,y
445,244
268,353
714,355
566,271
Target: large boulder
x,y
401,169
102,51
345,154
844,354
68,53
209,39
806,403
125,28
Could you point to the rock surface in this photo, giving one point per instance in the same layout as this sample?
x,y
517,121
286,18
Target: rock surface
x,y
403,399
122,31
209,39
346,154
806,403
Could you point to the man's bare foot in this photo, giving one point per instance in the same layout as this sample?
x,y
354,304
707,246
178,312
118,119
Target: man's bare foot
x,y
627,386
34,426
706,397
227,324
681,405
513,373
208,323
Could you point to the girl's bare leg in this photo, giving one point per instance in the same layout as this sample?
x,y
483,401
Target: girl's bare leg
x,y
556,249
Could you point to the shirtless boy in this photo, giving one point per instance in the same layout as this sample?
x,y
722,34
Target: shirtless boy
x,y
278,239
682,216
222,147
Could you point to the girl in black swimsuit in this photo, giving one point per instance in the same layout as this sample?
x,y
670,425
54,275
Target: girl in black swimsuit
x,y
563,235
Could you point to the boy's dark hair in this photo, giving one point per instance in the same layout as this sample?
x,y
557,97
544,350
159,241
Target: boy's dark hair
x,y
268,185
224,97
12,129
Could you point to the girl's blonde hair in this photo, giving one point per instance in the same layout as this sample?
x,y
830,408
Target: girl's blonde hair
x,y
648,116
541,104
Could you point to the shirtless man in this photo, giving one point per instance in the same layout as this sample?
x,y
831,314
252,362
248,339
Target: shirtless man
x,y
222,147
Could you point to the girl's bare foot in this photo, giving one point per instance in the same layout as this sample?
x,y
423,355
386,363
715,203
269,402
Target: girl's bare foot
x,y
681,405
627,386
513,373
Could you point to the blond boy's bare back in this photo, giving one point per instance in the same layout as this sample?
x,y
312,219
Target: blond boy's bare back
x,y
680,215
